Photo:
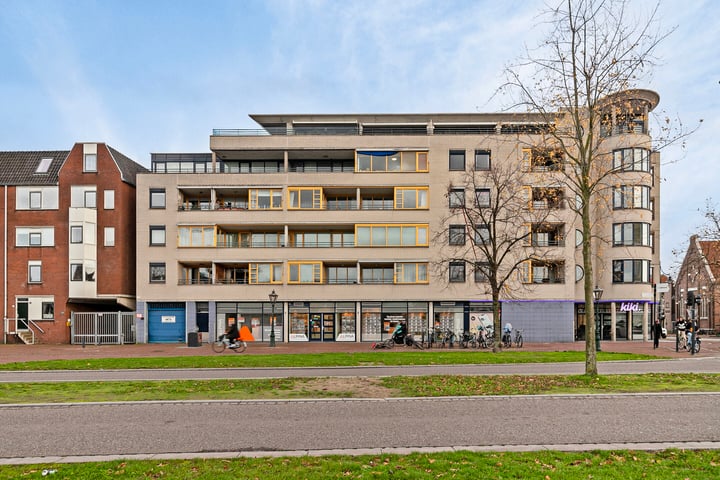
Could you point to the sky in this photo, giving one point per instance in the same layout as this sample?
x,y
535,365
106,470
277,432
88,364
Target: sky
x,y
158,76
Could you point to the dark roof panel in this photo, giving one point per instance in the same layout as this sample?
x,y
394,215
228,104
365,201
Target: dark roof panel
x,y
128,168
21,168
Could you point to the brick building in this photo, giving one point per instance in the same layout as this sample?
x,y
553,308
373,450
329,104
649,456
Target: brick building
x,y
698,279
68,222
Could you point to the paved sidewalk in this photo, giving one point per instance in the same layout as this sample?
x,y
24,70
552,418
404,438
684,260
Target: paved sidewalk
x,y
22,353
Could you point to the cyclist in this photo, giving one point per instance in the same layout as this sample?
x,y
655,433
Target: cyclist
x,y
232,334
680,330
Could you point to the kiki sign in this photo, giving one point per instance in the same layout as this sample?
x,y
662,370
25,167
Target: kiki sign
x,y
630,307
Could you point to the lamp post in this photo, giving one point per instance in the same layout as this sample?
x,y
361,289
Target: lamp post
x,y
597,295
273,298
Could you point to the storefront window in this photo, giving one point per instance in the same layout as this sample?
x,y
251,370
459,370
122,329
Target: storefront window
x,y
299,324
255,315
371,325
346,315
449,317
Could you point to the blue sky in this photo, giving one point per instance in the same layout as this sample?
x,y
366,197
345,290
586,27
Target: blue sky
x,y
158,76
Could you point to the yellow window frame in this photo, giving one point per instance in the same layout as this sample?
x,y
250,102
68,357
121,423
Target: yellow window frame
x,y
253,273
419,227
317,273
400,268
190,228
253,198
401,192
318,198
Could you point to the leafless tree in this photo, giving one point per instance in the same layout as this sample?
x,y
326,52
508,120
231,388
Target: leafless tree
x,y
492,233
594,50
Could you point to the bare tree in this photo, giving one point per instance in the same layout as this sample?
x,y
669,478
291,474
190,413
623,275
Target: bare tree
x,y
594,51
492,233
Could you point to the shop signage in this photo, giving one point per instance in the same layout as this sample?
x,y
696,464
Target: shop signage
x,y
630,307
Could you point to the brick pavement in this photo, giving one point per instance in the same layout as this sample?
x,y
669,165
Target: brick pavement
x,y
21,353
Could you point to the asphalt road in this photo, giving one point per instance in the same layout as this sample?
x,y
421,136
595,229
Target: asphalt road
x,y
73,432
690,364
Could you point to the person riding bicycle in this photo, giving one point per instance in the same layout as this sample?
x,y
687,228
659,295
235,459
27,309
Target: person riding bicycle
x,y
232,334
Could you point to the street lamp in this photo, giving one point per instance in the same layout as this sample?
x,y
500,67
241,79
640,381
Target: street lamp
x,y
597,295
273,298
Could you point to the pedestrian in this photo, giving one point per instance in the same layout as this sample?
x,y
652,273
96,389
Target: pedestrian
x,y
657,333
689,331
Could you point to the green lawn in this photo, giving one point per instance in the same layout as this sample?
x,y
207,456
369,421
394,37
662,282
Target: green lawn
x,y
377,357
545,465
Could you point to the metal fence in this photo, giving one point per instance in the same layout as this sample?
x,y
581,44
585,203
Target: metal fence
x,y
103,328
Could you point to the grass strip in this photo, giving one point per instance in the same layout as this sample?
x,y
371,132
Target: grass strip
x,y
288,388
377,357
548,465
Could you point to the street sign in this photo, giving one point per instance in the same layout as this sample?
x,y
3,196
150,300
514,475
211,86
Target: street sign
x,y
662,287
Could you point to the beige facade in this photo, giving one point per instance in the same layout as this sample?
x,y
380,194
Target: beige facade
x,y
345,218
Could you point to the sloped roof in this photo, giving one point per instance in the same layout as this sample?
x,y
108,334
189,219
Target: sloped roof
x,y
20,168
128,168
711,251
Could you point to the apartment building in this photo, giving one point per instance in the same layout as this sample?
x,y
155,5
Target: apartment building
x,y
347,220
68,220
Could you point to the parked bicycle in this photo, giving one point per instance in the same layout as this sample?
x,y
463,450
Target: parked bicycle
x,y
223,342
518,340
399,337
694,346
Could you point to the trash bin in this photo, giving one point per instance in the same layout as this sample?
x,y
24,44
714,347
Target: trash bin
x,y
193,339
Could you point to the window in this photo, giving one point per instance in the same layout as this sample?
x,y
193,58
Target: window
x,y
391,161
35,200
457,160
157,198
391,235
157,235
76,272
265,273
265,198
631,196
34,271
305,272
377,274
411,197
310,198
457,272
109,199
632,234
44,165
542,159
546,235
482,159
90,199
196,236
535,271
109,237
341,275
456,198
547,197
632,159
411,273
157,273
90,163
482,234
90,273
34,237
456,235
631,271
482,197
76,234
48,310
482,272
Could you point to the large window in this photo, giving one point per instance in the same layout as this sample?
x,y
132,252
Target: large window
x,y
411,197
482,159
34,271
341,275
374,274
36,198
265,199
539,271
196,236
157,273
632,233
631,196
157,198
457,160
265,273
392,161
628,159
305,272
456,198
157,235
391,235
456,235
305,198
631,271
457,272
34,237
411,272
542,159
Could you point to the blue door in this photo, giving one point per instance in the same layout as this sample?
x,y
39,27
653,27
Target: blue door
x,y
166,322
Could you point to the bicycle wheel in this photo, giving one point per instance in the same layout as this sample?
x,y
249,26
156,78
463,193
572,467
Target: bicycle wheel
x,y
240,348
519,342
417,344
219,345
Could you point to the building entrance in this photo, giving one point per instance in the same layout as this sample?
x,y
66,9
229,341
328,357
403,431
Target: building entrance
x,y
322,327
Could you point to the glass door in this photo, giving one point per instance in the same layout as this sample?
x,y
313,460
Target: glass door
x,y
328,331
315,327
